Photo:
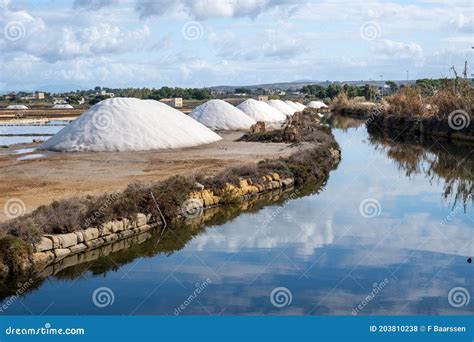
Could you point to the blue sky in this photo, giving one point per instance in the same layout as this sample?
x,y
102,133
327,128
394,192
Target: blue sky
x,y
68,45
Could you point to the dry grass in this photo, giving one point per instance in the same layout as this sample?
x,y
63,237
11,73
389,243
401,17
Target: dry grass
x,y
406,102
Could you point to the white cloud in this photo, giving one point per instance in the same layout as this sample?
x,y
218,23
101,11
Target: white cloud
x,y
390,49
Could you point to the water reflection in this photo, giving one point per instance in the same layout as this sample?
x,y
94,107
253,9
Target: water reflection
x,y
450,163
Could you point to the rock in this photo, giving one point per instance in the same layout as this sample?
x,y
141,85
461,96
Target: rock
x,y
67,240
106,229
275,176
125,233
287,182
90,234
45,244
275,184
198,186
126,224
94,243
42,258
78,248
142,229
141,220
54,239
110,238
80,237
243,183
61,253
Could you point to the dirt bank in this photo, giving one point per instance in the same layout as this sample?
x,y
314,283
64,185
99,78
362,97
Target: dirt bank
x,y
417,126
61,175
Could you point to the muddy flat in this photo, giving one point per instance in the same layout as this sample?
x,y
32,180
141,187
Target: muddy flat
x,y
38,181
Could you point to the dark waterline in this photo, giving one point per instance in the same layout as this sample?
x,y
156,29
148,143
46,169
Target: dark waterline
x,y
324,248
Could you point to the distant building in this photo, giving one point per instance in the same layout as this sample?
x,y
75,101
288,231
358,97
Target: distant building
x,y
104,93
262,98
176,102
39,95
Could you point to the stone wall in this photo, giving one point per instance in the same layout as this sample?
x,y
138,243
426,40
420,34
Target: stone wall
x,y
52,249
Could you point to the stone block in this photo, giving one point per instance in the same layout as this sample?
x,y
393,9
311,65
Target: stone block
x,y
94,243
44,244
67,240
42,258
54,239
90,234
80,237
61,253
141,219
78,248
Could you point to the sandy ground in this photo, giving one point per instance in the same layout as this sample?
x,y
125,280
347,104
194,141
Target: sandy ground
x,y
58,175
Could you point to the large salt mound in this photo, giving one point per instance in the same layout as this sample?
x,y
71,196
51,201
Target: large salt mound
x,y
317,104
302,106
282,107
129,124
261,111
218,114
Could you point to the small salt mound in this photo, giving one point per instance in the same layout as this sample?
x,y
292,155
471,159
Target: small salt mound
x,y
218,114
62,106
296,106
317,104
261,111
129,124
282,107
16,107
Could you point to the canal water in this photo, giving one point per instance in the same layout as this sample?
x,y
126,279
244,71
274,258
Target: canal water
x,y
389,233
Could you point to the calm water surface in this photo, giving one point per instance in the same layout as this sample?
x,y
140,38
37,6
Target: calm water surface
x,y
391,219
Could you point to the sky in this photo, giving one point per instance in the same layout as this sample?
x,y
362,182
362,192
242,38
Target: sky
x,y
57,45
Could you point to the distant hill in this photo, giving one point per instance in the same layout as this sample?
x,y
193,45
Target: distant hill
x,y
297,85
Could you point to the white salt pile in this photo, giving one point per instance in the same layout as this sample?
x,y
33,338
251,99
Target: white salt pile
x,y
218,114
63,106
295,105
282,107
16,107
302,106
317,104
129,124
261,111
